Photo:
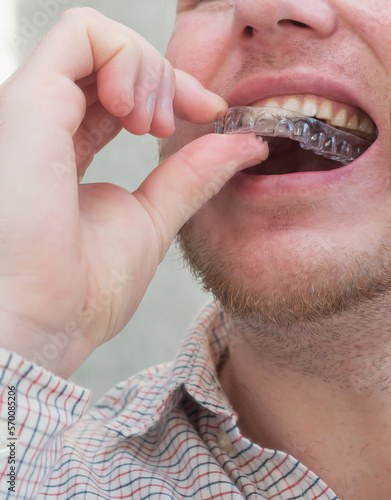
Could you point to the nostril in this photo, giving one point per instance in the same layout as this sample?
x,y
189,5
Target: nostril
x,y
249,30
295,23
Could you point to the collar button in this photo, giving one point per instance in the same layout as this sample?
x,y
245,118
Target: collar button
x,y
224,442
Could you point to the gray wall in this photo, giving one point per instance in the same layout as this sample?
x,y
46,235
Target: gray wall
x,y
173,299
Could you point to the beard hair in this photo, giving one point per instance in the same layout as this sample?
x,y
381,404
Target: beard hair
x,y
326,290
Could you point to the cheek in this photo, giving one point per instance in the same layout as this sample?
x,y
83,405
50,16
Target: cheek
x,y
371,22
199,46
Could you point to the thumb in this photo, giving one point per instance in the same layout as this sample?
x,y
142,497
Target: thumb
x,y
185,181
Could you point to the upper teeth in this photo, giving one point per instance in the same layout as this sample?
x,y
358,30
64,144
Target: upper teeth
x,y
336,114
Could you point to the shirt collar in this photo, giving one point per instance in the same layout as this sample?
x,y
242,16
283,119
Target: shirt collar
x,y
141,401
204,347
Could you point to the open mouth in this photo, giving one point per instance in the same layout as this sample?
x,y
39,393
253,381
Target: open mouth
x,y
305,133
287,157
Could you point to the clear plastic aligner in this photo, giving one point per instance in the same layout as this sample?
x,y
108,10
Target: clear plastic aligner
x,y
311,133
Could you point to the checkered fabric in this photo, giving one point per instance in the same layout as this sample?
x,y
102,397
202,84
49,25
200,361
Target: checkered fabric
x,y
166,433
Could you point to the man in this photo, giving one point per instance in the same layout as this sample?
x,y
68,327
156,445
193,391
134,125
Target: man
x,y
282,388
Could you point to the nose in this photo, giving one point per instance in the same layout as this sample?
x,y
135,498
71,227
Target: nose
x,y
268,20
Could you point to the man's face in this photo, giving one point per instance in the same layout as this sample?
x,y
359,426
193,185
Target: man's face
x,y
311,242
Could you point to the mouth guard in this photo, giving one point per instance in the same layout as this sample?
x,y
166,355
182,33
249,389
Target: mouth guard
x,y
311,133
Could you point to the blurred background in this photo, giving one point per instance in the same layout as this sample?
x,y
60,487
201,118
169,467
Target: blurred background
x,y
173,298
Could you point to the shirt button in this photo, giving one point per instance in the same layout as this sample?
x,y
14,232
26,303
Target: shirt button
x,y
224,442
4,450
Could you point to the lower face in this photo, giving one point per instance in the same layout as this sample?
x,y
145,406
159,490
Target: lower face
x,y
283,243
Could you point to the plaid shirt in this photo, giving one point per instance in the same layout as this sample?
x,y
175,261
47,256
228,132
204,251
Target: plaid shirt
x,y
168,432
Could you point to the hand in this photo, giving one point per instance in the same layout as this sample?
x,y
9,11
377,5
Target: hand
x,y
75,260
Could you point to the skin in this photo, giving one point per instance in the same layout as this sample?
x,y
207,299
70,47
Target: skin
x,y
60,247
76,259
303,276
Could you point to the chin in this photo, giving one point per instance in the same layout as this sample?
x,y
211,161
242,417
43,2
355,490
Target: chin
x,y
259,285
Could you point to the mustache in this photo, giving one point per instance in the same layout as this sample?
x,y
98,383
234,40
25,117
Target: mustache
x,y
295,54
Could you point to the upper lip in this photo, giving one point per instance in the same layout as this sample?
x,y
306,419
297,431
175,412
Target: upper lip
x,y
260,86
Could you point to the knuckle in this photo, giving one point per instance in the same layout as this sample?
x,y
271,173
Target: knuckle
x,y
190,162
79,13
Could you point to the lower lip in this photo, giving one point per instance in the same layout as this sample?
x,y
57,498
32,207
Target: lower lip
x,y
296,184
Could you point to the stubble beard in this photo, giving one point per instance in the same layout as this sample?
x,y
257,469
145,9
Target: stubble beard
x,y
309,324
323,291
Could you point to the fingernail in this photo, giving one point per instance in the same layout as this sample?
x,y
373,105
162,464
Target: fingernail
x,y
216,97
167,110
209,92
253,145
150,105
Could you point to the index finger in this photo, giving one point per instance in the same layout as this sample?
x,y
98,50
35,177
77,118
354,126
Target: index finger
x,y
195,103
84,41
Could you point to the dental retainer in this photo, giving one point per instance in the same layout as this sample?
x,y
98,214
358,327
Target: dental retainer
x,y
312,134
